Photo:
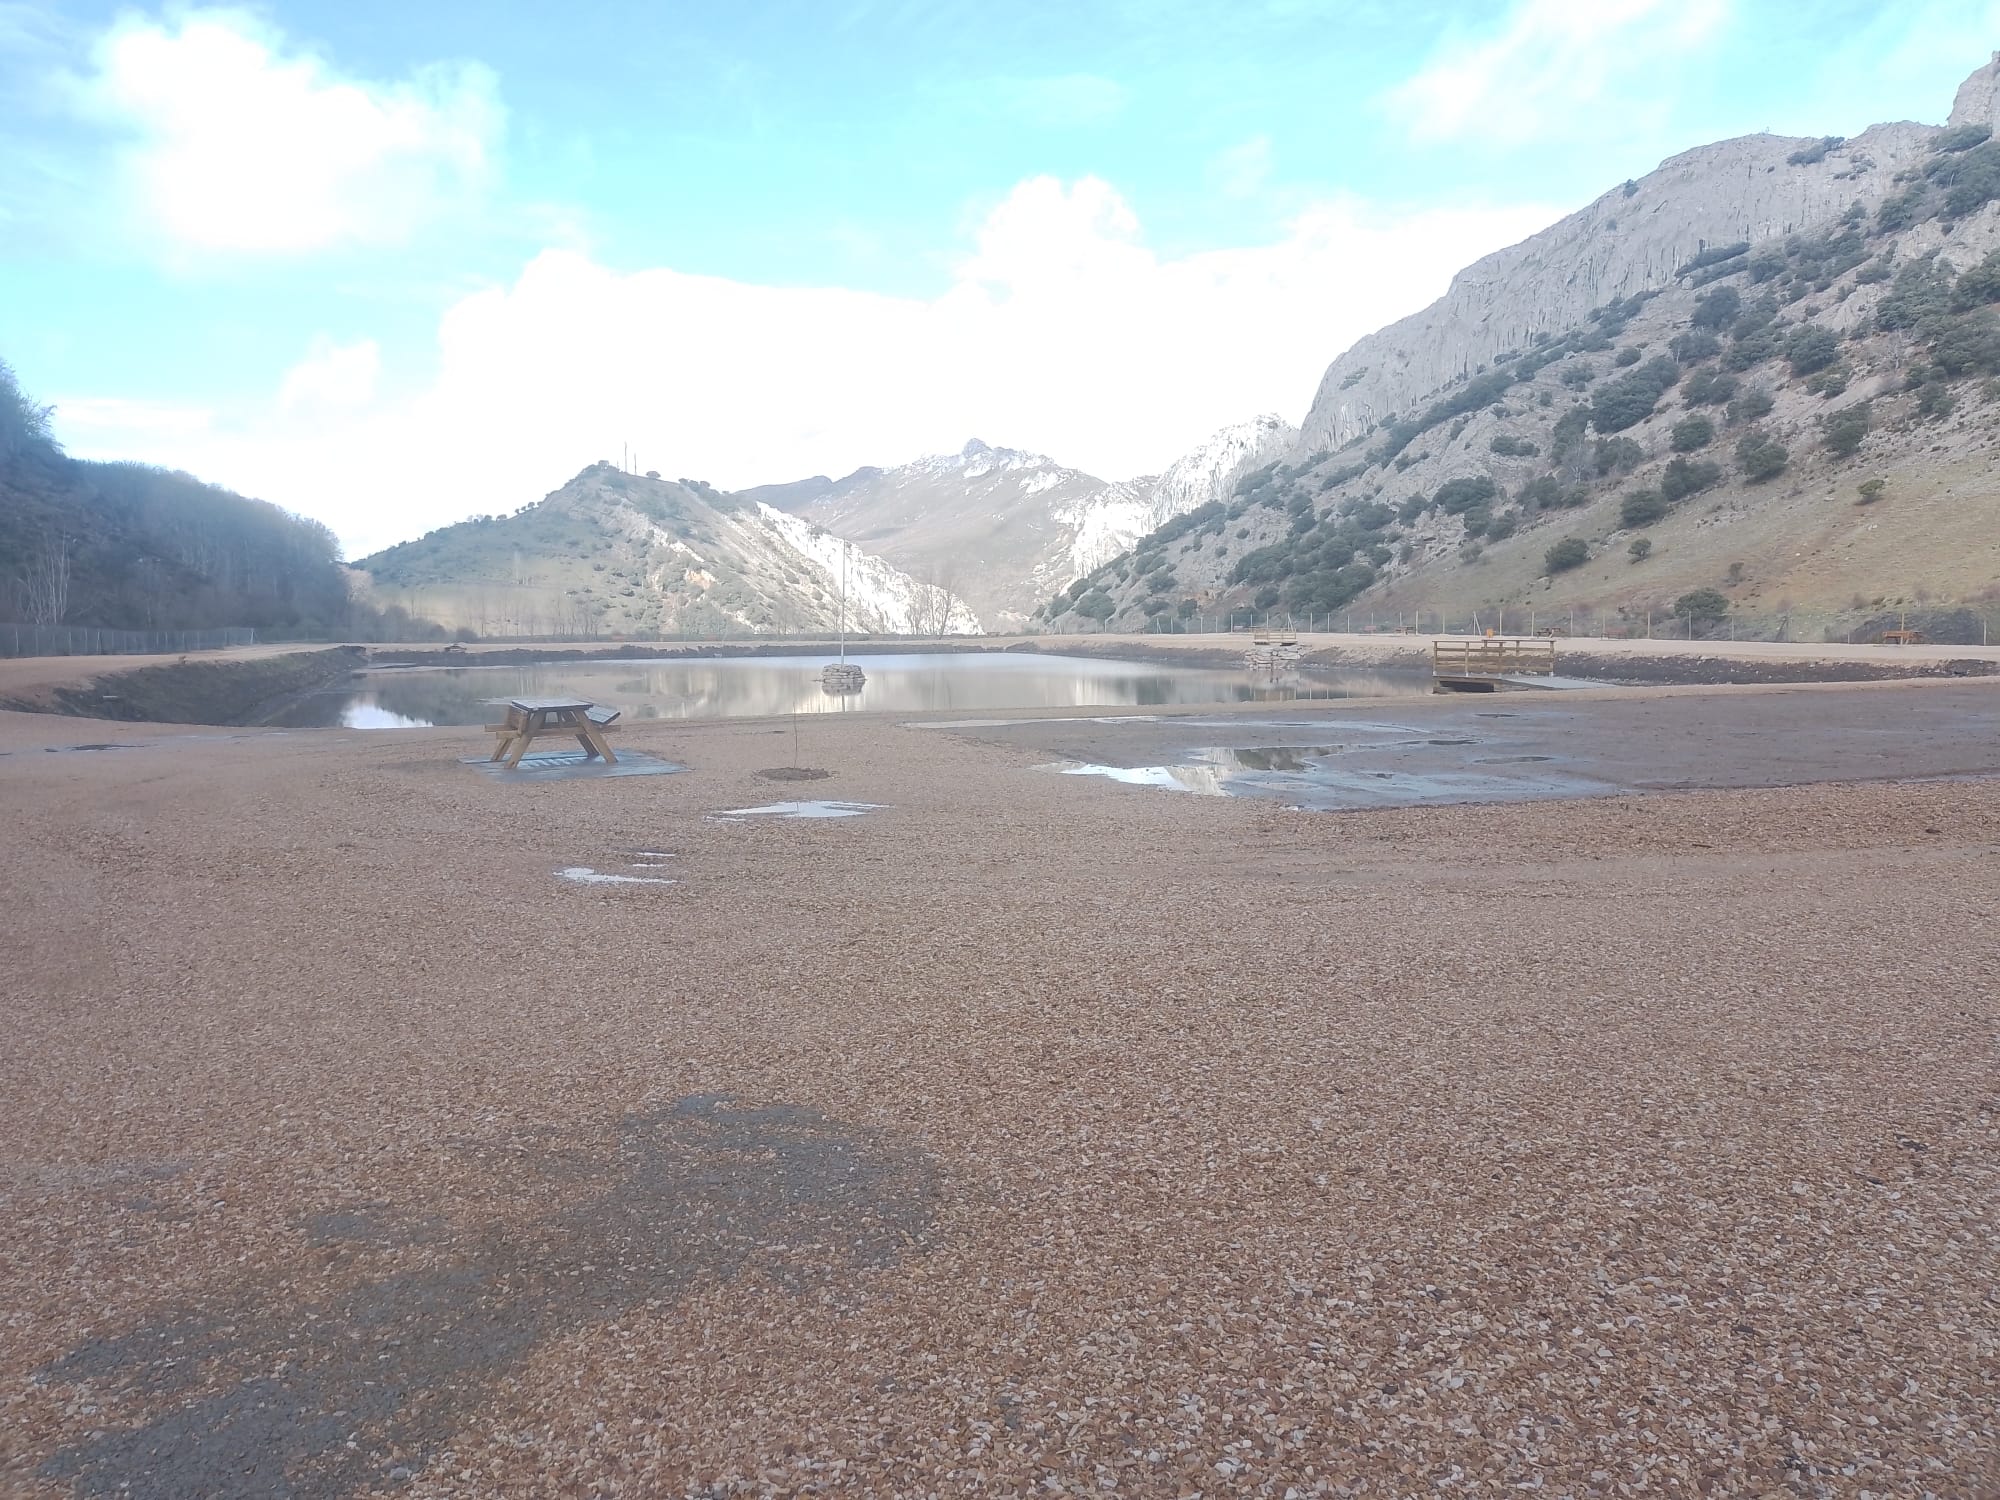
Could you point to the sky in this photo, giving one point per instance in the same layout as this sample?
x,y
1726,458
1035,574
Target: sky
x,y
390,265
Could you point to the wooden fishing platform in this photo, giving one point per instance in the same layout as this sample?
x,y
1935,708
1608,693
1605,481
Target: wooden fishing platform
x,y
1487,664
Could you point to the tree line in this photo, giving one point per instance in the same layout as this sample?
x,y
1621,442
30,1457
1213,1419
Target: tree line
x,y
135,547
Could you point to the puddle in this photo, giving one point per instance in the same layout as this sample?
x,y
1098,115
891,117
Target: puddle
x,y
571,765
584,875
1331,777
814,809
66,749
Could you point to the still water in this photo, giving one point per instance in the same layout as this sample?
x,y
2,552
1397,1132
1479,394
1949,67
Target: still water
x,y
729,687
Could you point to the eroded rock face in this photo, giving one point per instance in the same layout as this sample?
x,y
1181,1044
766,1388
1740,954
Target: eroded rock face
x,y
1632,239
1978,98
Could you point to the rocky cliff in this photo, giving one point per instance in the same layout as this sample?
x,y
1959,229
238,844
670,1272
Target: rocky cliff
x,y
1634,238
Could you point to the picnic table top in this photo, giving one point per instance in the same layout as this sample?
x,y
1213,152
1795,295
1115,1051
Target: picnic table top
x,y
546,705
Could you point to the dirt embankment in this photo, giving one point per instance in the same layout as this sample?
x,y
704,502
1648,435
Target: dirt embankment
x,y
195,692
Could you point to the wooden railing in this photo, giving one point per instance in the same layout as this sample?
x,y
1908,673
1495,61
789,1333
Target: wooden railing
x,y
1493,656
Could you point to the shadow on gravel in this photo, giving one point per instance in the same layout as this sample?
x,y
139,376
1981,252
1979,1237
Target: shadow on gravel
x,y
336,1398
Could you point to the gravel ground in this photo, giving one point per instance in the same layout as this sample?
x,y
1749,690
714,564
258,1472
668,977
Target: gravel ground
x,y
1030,1134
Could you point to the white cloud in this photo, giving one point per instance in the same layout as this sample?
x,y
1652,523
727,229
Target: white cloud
x,y
241,144
1062,331
1554,69
332,375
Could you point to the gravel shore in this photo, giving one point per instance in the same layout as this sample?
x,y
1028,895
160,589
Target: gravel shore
x,y
1030,1133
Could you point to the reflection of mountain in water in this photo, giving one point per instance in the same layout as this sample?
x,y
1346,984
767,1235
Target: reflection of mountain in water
x,y
767,686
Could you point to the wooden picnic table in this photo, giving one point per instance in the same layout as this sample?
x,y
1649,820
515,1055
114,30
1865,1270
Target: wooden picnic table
x,y
529,718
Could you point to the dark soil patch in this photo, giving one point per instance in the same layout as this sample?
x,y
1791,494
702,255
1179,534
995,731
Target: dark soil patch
x,y
794,773
261,1396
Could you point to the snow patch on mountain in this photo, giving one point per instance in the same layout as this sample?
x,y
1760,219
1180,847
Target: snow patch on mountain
x,y
881,598
1112,520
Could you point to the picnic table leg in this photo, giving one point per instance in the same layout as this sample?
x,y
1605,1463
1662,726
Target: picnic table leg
x,y
594,743
522,739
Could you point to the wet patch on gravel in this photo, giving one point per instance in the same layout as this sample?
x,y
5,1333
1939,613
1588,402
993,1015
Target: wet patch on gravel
x,y
584,875
793,773
1319,778
572,765
260,1396
812,809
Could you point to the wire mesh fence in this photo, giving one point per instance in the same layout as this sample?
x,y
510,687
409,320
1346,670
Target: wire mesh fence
x,y
1940,625
90,640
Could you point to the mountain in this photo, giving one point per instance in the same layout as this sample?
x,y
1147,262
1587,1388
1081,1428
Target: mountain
x,y
1685,386
617,553
1004,529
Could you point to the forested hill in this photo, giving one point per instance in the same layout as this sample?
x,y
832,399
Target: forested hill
x,y
129,546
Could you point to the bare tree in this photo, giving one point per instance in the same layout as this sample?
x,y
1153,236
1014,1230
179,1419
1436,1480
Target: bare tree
x,y
45,581
933,600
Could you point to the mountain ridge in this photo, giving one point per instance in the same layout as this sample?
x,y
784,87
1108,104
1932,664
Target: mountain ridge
x,y
1799,329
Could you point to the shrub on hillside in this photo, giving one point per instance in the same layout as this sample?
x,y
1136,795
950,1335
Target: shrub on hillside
x,y
1968,343
1807,156
1701,607
1513,447
1752,405
1708,387
1095,605
1870,490
1811,348
1692,433
1546,492
1760,457
1630,398
1626,358
1961,138
1714,256
1694,346
1570,552
1841,432
1688,476
1617,455
1457,496
1751,349
1979,284
1641,508
1641,549
1935,401
1922,294
1717,309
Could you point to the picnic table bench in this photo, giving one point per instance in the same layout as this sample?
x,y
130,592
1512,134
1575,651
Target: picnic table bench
x,y
529,718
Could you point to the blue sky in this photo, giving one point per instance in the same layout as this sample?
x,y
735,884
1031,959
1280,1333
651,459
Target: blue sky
x,y
394,264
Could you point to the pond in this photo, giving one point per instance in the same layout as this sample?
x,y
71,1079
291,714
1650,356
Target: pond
x,y
730,687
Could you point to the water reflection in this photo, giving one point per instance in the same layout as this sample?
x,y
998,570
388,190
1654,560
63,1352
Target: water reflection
x,y
708,688
1401,773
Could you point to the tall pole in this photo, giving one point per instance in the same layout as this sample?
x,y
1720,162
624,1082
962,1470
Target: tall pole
x,y
843,600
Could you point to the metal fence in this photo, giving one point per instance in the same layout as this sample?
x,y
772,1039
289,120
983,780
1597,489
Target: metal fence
x,y
89,640
1947,625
